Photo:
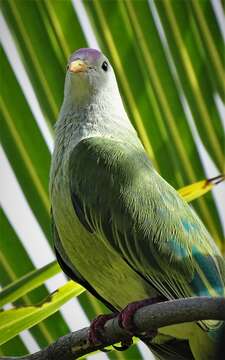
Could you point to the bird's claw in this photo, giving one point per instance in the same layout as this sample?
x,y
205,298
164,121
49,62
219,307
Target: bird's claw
x,y
96,331
126,316
97,328
125,320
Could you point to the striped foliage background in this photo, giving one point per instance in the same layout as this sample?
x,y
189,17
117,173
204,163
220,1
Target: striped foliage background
x,y
168,58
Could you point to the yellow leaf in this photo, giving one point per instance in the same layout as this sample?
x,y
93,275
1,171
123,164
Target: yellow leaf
x,y
194,191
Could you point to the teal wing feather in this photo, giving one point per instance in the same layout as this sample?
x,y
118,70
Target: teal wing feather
x,y
117,194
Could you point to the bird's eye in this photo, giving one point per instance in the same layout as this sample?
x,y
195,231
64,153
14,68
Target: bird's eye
x,y
105,66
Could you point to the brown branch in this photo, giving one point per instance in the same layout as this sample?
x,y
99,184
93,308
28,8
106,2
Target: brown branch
x,y
76,344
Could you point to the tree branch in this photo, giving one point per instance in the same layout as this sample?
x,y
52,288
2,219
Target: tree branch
x,y
76,344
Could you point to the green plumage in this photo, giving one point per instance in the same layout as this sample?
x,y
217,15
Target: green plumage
x,y
124,231
144,219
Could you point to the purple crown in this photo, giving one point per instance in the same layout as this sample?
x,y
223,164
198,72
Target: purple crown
x,y
85,53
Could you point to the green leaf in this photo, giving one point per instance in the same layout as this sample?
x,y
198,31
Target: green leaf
x,y
15,264
43,59
14,347
13,321
211,41
191,66
28,155
27,283
200,188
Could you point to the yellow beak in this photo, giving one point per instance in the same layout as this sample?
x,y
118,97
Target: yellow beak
x,y
77,66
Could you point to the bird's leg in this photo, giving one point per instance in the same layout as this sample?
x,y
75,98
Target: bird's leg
x,y
127,314
97,327
125,320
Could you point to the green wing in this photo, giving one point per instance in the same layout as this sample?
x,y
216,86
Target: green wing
x,y
69,268
118,195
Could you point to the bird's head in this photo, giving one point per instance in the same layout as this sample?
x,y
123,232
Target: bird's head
x,y
88,73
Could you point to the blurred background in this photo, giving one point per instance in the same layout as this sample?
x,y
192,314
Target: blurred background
x,y
168,56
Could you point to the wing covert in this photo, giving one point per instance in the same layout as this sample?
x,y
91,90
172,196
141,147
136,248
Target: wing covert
x,y
126,203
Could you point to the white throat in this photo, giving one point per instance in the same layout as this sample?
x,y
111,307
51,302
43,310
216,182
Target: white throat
x,y
99,113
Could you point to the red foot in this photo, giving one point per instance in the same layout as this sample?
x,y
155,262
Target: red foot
x,y
97,327
126,315
125,320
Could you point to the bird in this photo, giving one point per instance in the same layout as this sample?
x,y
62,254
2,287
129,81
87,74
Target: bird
x,y
119,229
